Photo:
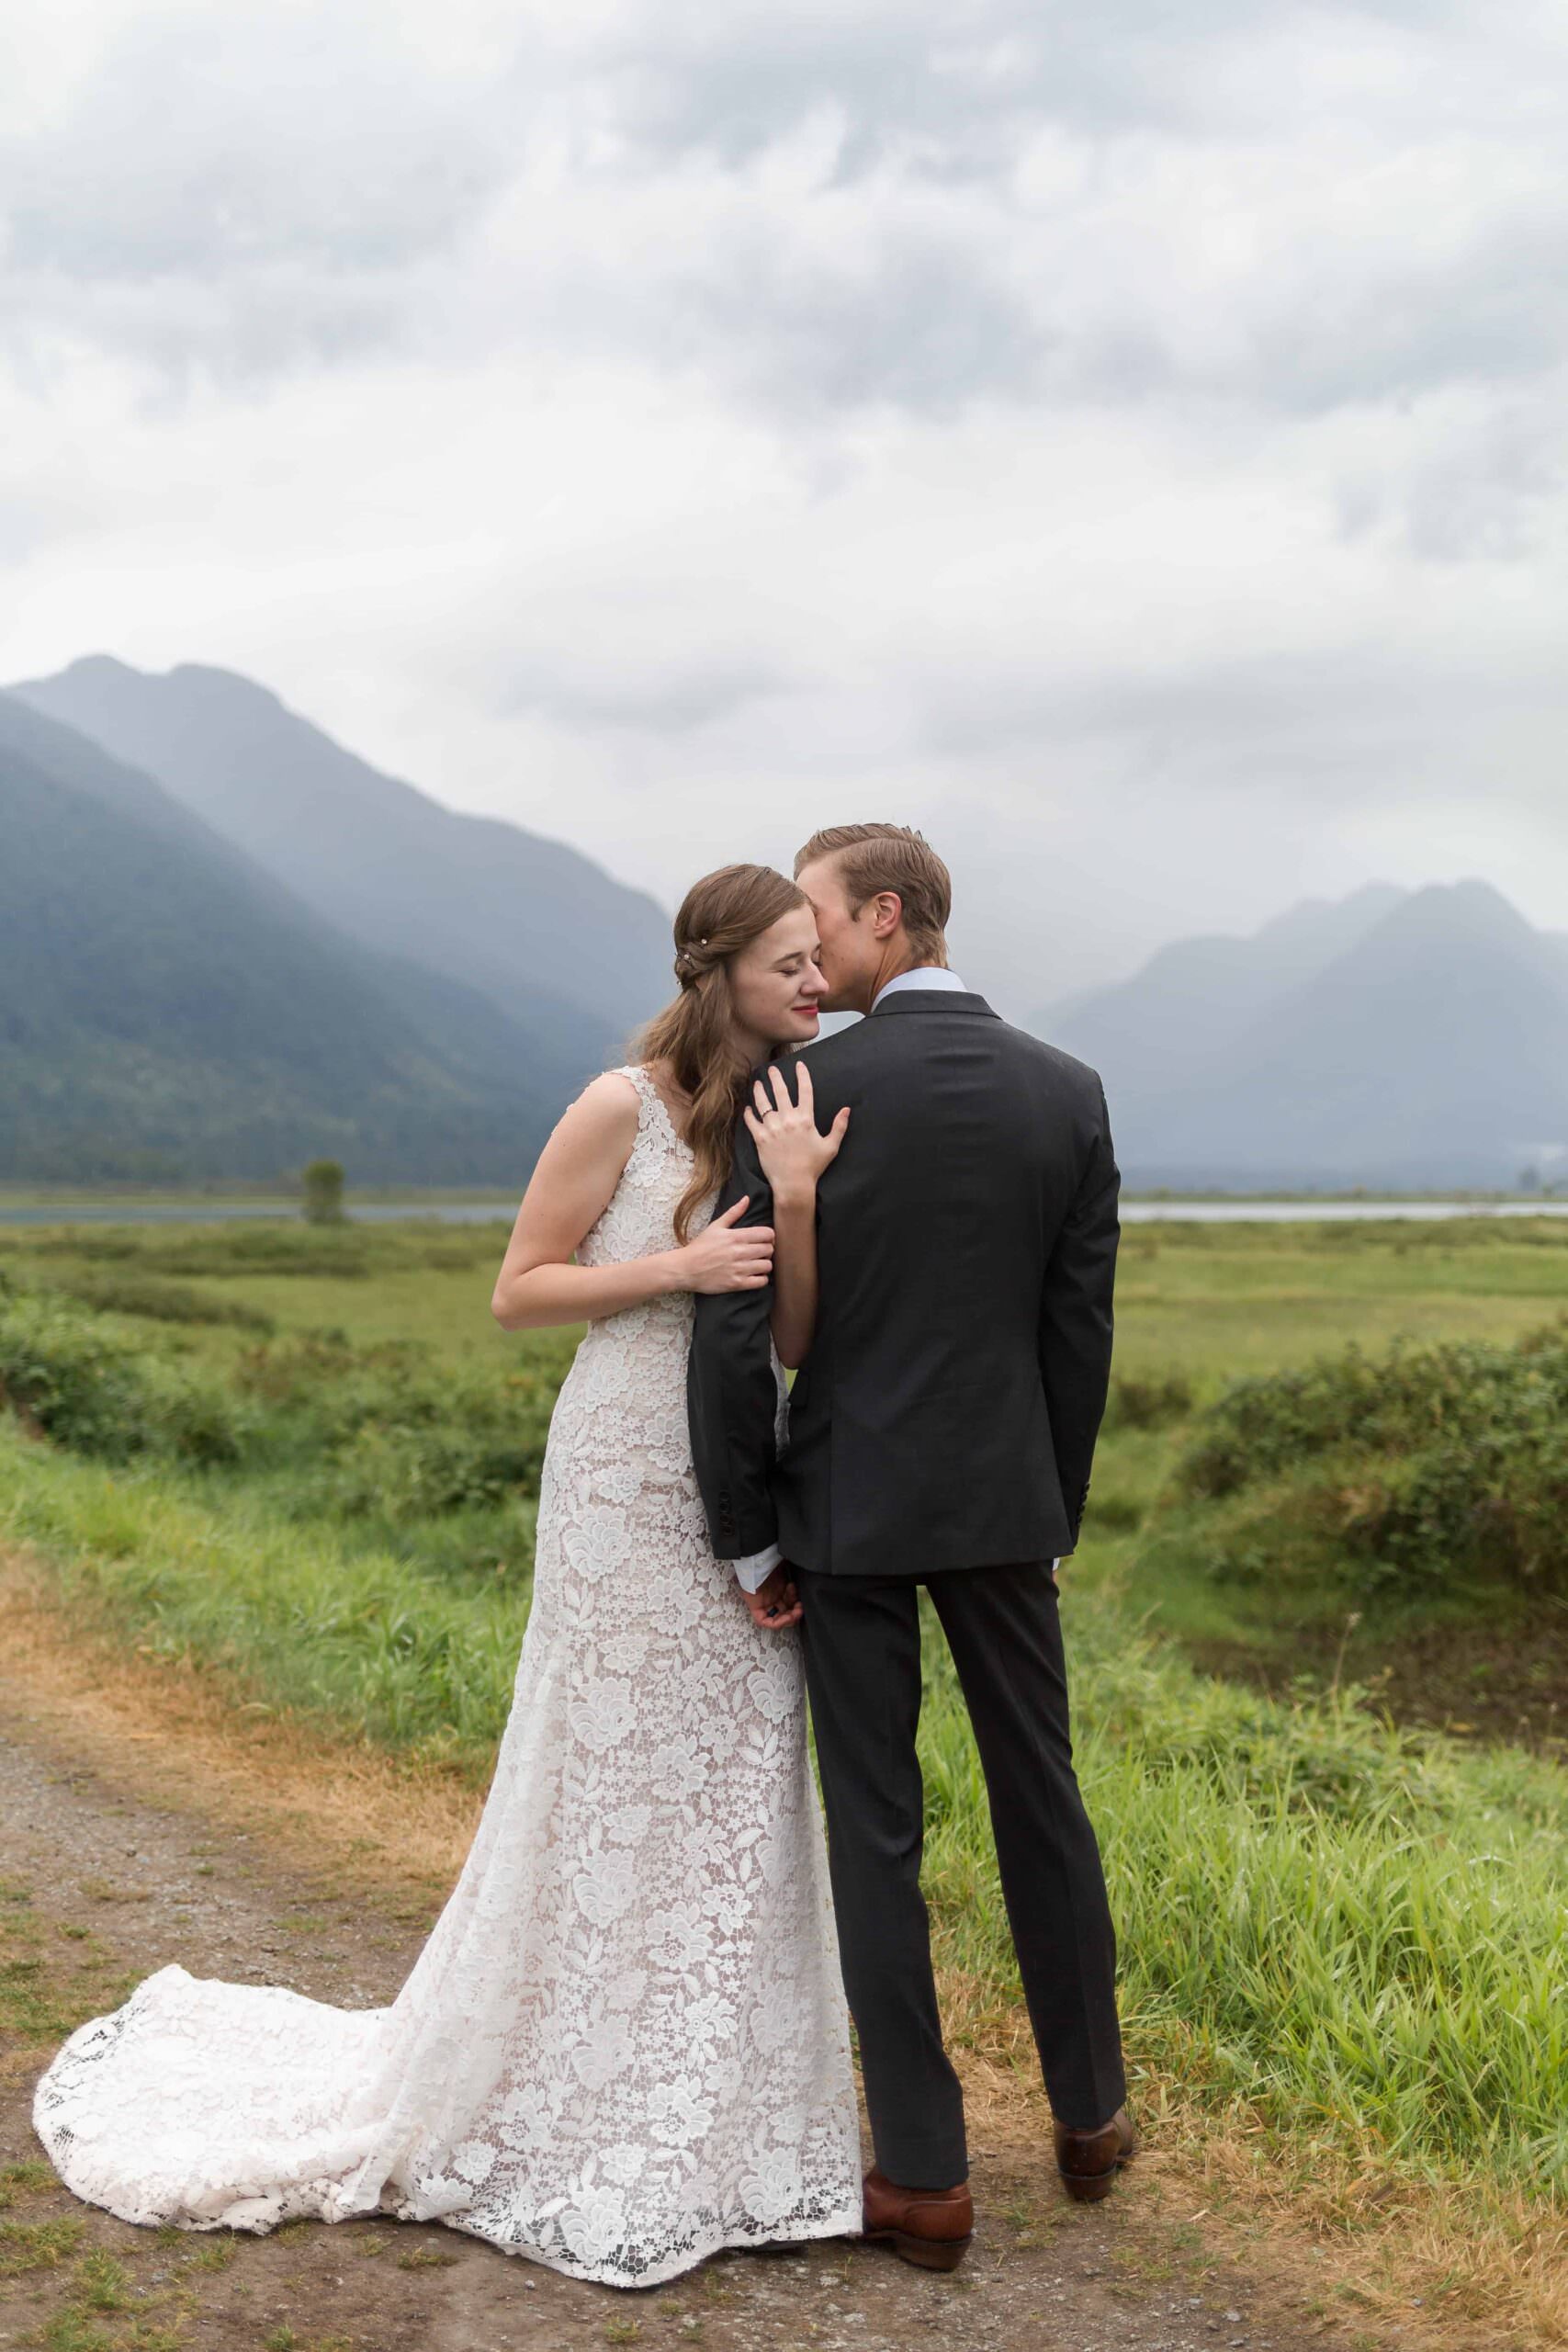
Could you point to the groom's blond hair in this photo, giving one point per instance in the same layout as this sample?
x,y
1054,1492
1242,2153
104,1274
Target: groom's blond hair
x,y
890,857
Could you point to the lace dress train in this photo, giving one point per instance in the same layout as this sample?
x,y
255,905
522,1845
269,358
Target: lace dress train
x,y
624,2044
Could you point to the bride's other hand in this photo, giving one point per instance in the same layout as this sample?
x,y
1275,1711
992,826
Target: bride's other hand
x,y
720,1258
791,1152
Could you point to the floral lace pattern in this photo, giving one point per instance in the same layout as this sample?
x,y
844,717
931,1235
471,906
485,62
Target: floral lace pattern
x,y
624,2044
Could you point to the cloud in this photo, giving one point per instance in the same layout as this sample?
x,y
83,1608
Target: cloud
x,y
1132,442
239,191
204,143
658,696
853,206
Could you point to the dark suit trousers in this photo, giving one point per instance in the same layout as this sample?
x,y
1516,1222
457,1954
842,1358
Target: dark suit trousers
x,y
862,1665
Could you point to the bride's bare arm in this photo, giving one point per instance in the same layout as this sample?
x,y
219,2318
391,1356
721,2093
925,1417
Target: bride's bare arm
x,y
792,1155
570,1187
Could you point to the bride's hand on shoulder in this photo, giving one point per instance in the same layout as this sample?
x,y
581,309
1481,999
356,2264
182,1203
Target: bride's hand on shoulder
x,y
791,1152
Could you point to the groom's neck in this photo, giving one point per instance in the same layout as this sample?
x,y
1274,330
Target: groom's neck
x,y
899,960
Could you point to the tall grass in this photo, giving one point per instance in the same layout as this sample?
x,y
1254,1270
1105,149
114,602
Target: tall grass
x,y
1357,1931
299,1616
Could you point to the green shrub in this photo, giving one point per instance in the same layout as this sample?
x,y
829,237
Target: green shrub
x,y
86,1387
188,1417
1409,1399
111,1245
1439,1467
69,1377
1147,1404
1115,1514
375,1431
159,1302
425,1446
380,1431
268,1247
317,1371
264,1247
392,1470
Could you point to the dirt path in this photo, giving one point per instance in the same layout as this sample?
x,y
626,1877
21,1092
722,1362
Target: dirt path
x,y
104,1880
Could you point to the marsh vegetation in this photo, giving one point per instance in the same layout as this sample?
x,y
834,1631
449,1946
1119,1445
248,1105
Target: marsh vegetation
x,y
304,1461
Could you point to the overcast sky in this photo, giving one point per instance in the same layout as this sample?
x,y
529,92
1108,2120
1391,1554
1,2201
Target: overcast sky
x,y
1127,441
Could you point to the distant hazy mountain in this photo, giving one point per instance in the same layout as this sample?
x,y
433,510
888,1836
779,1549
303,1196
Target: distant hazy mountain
x,y
168,1009
1396,1039
505,910
1195,999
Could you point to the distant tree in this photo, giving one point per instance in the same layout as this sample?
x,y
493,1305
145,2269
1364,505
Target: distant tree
x,y
1528,1180
323,1192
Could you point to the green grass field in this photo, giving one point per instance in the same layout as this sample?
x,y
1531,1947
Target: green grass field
x,y
307,1459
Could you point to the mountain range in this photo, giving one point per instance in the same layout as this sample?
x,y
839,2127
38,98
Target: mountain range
x,y
172,1007
1393,1039
228,944
523,918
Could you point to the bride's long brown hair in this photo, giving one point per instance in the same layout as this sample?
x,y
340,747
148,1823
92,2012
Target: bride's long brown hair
x,y
696,1036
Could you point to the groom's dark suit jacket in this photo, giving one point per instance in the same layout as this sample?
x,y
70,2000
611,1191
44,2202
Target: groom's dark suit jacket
x,y
946,1415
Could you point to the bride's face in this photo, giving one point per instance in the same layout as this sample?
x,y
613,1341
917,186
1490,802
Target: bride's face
x,y
778,984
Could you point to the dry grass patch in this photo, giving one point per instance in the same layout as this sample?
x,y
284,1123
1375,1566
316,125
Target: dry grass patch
x,y
166,1728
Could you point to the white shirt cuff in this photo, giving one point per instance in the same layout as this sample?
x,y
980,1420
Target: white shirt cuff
x,y
753,1572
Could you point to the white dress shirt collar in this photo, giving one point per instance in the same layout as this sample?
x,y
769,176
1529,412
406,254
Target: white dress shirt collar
x,y
923,976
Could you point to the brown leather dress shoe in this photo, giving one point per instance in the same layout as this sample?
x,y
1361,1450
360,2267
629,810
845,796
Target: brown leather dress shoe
x,y
930,2227
1088,2162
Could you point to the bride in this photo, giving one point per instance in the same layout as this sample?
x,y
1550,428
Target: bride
x,y
624,2044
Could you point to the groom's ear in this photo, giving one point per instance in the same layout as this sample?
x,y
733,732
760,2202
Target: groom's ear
x,y
887,913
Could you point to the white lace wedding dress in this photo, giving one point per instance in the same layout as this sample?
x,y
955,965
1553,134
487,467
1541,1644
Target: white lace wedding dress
x,y
624,2044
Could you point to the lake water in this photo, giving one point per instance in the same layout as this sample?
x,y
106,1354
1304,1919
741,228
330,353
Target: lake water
x,y
483,1212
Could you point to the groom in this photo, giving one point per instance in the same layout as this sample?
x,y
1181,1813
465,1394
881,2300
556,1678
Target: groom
x,y
941,1433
